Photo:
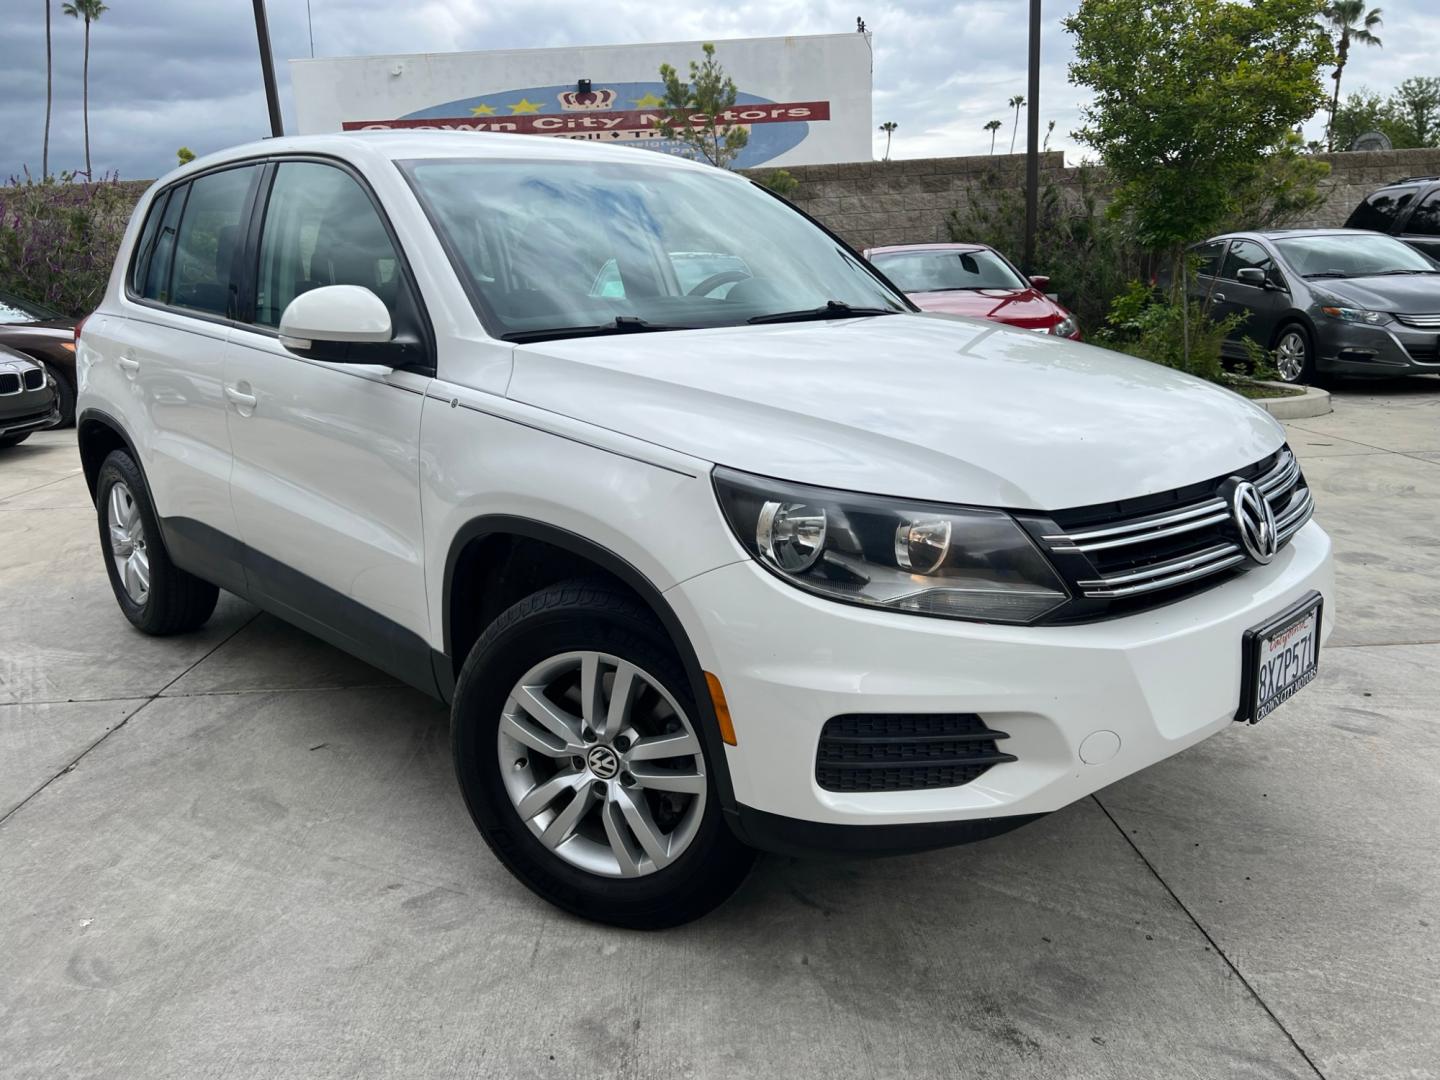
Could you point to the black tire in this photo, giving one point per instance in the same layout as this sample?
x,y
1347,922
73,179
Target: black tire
x,y
65,393
13,440
1296,331
177,602
578,616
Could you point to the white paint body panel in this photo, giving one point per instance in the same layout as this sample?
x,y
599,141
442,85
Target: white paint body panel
x,y
361,479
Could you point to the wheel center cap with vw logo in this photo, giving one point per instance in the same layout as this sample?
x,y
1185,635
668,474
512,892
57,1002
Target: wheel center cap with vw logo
x,y
1254,520
603,762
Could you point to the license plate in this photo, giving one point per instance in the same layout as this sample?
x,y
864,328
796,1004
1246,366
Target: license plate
x,y
1280,658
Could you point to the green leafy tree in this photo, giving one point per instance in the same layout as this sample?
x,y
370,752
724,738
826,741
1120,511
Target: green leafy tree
x,y
888,127
89,11
1017,103
695,111
185,155
1190,98
1362,110
992,127
1412,113
1348,21
781,182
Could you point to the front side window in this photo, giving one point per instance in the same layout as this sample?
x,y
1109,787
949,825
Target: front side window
x,y
1247,255
948,271
558,248
1425,221
1347,255
203,275
322,229
1380,210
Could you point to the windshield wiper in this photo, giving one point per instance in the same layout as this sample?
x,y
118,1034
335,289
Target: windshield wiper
x,y
1387,273
623,324
1326,273
833,309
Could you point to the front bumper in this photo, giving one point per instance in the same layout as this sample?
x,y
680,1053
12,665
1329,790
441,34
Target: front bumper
x,y
1159,680
1379,351
27,417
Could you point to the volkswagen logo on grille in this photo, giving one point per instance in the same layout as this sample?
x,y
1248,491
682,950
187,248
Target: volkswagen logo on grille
x,y
603,762
1254,520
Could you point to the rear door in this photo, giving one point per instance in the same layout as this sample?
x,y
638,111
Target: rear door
x,y
326,475
1422,230
166,360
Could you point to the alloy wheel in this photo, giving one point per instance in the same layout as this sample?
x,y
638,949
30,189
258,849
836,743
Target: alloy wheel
x,y
1290,356
602,764
128,548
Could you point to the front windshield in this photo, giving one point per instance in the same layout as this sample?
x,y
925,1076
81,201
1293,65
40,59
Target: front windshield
x,y
15,310
548,247
1346,255
947,271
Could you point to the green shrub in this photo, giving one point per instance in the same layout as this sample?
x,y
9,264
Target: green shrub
x,y
58,239
1154,327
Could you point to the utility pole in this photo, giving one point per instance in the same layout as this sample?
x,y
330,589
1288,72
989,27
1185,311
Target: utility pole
x,y
267,69
1032,142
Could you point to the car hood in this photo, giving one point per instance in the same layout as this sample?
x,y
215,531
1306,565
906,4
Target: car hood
x,y
1022,307
1414,294
923,406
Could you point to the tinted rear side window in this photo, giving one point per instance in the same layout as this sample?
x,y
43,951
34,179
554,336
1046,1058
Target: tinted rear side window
x,y
1207,257
1380,210
1425,221
205,248
156,283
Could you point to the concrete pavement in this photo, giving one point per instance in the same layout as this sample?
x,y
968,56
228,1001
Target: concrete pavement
x,y
242,854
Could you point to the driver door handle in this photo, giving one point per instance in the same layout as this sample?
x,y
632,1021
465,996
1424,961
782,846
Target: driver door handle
x,y
1218,296
239,397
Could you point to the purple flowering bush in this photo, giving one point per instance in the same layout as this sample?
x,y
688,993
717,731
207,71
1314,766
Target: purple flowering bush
x,y
58,238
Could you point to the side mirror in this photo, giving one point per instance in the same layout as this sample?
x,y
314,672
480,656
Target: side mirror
x,y
1251,275
340,324
1040,281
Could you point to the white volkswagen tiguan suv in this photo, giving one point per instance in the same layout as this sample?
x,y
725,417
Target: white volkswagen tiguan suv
x,y
712,541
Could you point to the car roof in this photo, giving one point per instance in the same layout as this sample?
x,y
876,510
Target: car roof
x,y
1276,234
376,147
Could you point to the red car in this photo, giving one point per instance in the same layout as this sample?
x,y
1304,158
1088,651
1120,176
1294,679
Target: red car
x,y
974,280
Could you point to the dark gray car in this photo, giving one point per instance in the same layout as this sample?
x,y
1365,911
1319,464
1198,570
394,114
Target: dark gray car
x,y
28,402
1326,301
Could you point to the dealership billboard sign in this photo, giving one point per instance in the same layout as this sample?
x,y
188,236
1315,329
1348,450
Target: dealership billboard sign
x,y
802,100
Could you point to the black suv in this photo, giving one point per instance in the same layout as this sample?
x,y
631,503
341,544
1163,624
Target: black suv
x,y
1408,208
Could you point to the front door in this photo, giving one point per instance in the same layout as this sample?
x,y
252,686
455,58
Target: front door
x,y
1259,306
326,456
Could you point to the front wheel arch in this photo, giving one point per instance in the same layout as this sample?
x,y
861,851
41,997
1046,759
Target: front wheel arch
x,y
1307,333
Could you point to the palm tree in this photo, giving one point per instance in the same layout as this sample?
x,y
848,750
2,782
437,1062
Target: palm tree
x,y
1017,103
1349,21
992,127
888,127
49,95
89,10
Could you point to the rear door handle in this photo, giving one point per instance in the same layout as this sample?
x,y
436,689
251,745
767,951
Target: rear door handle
x,y
1218,296
129,364
239,397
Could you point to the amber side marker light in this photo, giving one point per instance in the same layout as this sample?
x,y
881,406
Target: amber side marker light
x,y
722,710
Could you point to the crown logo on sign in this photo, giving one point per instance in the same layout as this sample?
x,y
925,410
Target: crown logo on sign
x,y
585,97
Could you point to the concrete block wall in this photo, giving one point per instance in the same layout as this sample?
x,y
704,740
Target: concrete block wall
x,y
871,203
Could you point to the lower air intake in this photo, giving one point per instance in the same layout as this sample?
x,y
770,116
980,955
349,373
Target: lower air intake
x,y
905,752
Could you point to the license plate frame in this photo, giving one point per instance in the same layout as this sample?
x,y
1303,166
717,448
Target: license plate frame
x,y
1252,710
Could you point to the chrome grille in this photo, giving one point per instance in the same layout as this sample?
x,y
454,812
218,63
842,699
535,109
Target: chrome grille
x,y
1176,547
1420,322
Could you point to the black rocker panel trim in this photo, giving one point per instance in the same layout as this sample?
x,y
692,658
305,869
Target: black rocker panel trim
x,y
299,599
810,839
500,524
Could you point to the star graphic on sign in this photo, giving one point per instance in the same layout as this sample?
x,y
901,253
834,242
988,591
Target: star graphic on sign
x,y
649,101
483,110
524,105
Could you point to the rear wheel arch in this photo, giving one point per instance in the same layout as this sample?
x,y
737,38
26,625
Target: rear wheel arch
x,y
98,434
494,561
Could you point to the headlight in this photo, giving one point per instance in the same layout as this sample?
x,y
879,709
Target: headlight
x,y
1066,327
1356,315
953,562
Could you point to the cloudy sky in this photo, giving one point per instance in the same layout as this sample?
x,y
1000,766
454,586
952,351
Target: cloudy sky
x,y
164,74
